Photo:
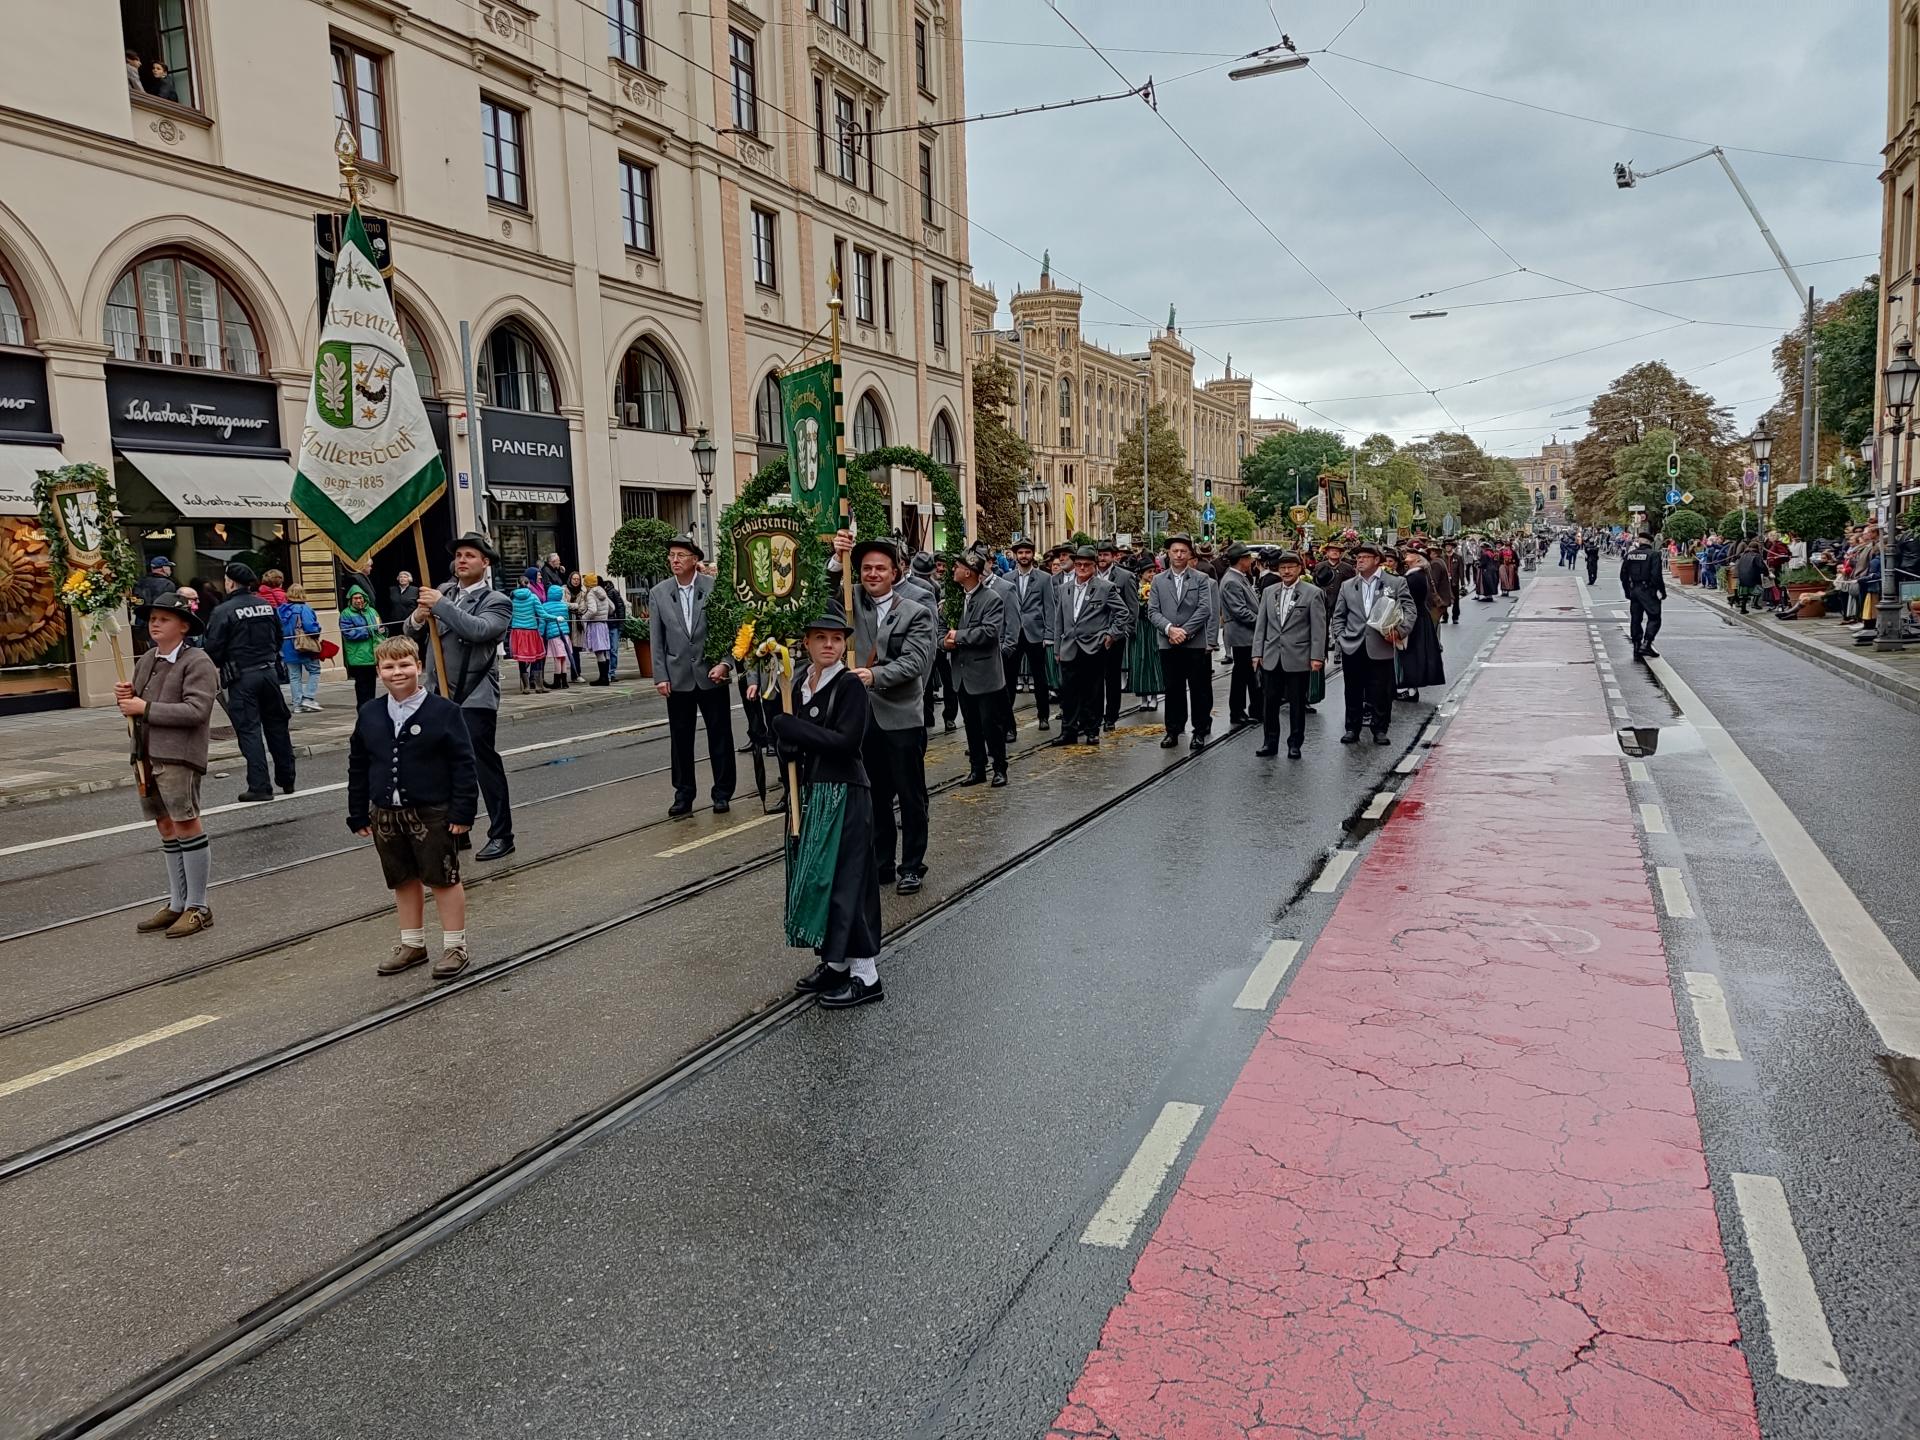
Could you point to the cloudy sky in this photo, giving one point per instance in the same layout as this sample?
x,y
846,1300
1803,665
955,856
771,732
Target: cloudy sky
x,y
1138,223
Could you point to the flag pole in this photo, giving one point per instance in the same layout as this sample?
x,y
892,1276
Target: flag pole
x,y
840,435
348,154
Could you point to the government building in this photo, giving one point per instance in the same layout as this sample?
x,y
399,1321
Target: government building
x,y
1546,477
624,211
1075,399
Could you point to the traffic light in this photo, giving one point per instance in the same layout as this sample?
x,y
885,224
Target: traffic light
x,y
1673,465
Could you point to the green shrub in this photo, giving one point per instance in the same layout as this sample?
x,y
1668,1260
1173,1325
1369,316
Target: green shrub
x,y
1815,513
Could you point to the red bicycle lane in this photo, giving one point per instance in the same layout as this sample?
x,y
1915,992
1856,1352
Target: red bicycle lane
x,y
1458,1189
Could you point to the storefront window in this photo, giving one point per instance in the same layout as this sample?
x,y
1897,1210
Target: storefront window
x,y
647,394
171,310
514,371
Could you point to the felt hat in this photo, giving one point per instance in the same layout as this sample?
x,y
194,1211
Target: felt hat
x,y
171,603
883,546
1287,557
474,540
1109,547
1086,552
1023,543
830,619
923,563
687,542
1237,551
1172,540
1367,547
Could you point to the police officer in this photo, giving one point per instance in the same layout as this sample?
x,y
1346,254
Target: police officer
x,y
243,639
1644,579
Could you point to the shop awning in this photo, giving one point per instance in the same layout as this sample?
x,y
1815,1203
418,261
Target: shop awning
x,y
18,464
217,487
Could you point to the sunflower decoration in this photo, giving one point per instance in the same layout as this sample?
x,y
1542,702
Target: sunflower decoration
x,y
92,566
32,621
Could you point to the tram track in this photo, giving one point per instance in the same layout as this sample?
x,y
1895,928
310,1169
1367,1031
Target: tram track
x,y
148,1395
184,1097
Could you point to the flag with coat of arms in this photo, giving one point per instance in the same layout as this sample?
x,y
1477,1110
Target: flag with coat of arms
x,y
368,461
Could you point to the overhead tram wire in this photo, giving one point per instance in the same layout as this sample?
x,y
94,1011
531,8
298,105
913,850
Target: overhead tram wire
x,y
1346,27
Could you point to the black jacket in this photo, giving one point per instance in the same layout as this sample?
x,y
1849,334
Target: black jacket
x,y
825,733
431,760
1641,574
243,633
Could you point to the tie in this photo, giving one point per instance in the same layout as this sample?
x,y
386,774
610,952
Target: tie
x,y
686,606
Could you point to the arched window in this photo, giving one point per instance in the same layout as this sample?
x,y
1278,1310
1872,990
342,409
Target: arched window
x,y
943,448
514,373
1066,398
869,429
769,418
1553,492
419,358
170,309
13,317
647,394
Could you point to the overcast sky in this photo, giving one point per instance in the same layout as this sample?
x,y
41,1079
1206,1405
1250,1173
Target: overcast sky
x,y
1138,223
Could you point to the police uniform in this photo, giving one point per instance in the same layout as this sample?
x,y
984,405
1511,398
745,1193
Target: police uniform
x,y
243,639
1644,579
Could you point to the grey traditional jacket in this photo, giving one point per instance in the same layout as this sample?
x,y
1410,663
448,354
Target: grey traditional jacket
x,y
1099,618
1349,623
472,625
1033,612
977,669
1188,604
1238,610
1291,631
899,650
679,654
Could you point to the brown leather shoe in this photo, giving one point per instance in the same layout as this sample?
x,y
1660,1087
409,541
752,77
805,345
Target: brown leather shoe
x,y
191,922
404,957
453,959
159,920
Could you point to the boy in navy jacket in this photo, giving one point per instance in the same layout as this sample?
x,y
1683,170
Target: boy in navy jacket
x,y
412,786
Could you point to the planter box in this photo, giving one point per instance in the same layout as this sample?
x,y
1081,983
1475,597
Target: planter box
x,y
643,658
1812,606
1687,572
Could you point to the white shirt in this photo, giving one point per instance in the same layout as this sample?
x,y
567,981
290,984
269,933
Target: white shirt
x,y
170,656
399,711
1286,601
686,606
814,684
1079,595
1179,586
881,605
1020,578
1369,589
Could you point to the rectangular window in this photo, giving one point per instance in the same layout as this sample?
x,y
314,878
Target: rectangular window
x,y
846,140
1903,258
940,314
746,87
866,144
359,100
840,262
886,294
627,32
840,15
819,122
766,270
863,286
503,152
866,33
159,48
636,205
926,183
921,73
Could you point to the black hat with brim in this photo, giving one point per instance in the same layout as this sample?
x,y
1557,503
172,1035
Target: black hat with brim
x,y
1109,547
474,540
1237,551
687,542
923,563
1023,543
883,547
974,561
1367,547
1171,540
1086,552
830,619
171,603
1287,557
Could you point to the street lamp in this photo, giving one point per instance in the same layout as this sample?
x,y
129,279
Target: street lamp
x,y
1900,379
704,455
1761,444
1270,60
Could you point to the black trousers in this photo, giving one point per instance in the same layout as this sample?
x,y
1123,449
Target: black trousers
x,y
258,709
1113,670
1243,690
1593,570
896,762
1289,688
986,730
756,714
483,728
683,709
1369,686
1082,684
1189,672
941,683
1035,654
1643,621
364,679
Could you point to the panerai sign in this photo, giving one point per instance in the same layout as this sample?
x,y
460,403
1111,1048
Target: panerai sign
x,y
526,449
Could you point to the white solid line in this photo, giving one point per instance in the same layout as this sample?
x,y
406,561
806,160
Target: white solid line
x,y
1887,990
1377,806
1338,864
1133,1192
1653,820
1673,893
718,835
1267,975
1710,1014
1802,1344
1637,770
94,1057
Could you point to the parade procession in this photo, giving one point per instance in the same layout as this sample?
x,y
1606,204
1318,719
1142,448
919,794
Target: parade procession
x,y
823,720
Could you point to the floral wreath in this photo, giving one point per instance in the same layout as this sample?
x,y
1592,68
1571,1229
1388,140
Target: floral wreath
x,y
736,626
99,593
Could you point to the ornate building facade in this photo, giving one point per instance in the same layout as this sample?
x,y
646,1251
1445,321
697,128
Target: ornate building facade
x,y
1076,399
1545,476
633,206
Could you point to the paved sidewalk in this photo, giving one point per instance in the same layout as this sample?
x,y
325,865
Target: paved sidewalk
x,y
1459,1189
74,752
1828,644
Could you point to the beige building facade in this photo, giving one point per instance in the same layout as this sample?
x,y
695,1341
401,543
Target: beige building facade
x,y
633,205
1899,242
1080,398
1545,476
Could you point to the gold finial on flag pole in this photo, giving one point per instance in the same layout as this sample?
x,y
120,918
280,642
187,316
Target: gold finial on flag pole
x,y
348,155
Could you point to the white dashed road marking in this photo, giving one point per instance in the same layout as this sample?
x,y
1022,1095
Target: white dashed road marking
x,y
1267,975
1717,1040
110,1052
1133,1192
1802,1344
1338,864
1673,893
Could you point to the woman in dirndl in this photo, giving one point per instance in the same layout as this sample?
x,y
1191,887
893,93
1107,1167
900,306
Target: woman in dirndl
x,y
1145,678
833,880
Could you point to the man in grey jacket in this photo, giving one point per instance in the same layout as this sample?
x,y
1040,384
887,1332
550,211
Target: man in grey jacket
x,y
1289,645
974,647
694,689
1113,664
1238,615
1368,653
473,618
1086,629
1029,594
1180,608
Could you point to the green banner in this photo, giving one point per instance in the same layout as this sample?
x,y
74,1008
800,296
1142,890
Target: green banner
x,y
809,401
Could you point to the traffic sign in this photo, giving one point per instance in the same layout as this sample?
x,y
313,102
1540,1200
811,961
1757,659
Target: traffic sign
x,y
1686,497
1747,477
1207,514
1673,497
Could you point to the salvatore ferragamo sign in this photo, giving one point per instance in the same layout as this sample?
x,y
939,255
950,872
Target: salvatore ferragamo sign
x,y
159,408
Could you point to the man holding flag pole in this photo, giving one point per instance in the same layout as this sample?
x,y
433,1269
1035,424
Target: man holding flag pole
x,y
369,468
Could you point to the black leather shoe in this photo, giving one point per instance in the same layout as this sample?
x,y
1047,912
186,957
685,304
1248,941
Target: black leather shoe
x,y
886,874
999,779
1650,653
910,882
822,977
1046,725
1197,744
1293,752
1013,735
495,849
721,807
1107,725
286,787
978,777
1092,742
1065,737
1380,737
679,808
1349,737
951,727
1240,720
252,795
1167,742
1266,752
851,992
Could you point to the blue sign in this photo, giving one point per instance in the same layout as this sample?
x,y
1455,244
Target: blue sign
x,y
1673,497
1207,514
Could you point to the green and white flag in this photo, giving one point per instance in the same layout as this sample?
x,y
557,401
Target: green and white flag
x,y
368,462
